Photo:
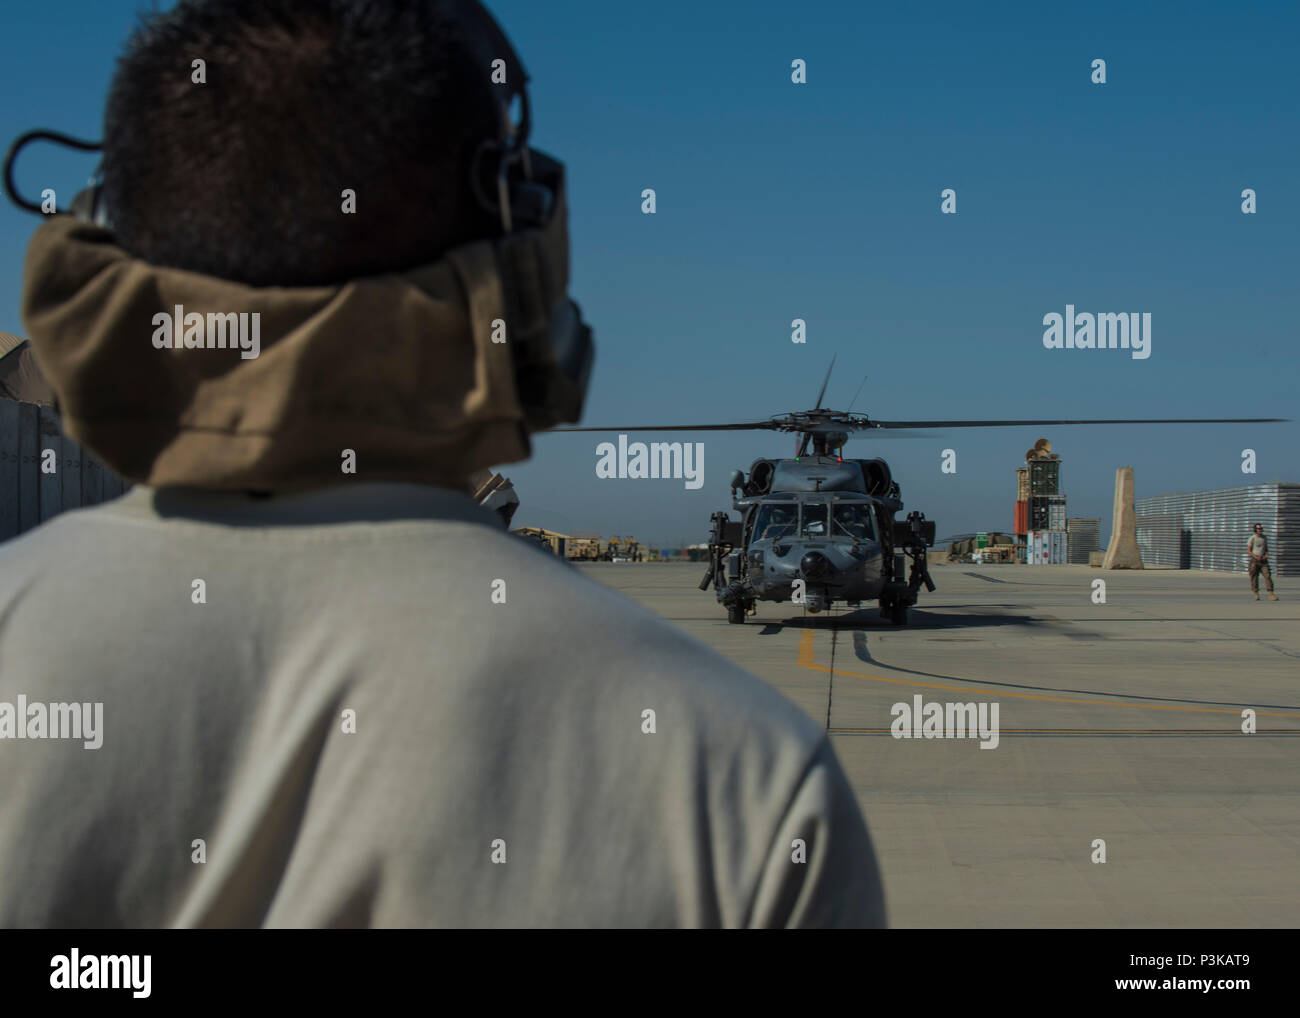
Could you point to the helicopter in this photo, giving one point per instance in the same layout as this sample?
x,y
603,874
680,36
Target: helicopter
x,y
818,529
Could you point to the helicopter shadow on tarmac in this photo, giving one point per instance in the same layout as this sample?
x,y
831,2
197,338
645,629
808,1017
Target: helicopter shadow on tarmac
x,y
929,620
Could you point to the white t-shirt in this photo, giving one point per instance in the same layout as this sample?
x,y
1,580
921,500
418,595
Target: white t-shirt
x,y
318,696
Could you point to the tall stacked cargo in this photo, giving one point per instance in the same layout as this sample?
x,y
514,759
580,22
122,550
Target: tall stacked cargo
x,y
1021,525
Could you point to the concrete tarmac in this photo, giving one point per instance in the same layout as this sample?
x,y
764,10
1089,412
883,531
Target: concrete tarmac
x,y
1119,722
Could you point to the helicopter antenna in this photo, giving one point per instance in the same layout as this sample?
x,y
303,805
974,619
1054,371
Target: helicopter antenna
x,y
858,393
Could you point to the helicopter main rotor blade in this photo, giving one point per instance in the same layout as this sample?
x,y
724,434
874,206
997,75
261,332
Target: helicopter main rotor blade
x,y
742,426
817,422
825,382
1019,424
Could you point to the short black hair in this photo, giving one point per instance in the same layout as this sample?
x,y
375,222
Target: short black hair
x,y
242,177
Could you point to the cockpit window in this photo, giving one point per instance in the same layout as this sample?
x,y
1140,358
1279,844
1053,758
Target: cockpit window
x,y
775,520
814,519
852,519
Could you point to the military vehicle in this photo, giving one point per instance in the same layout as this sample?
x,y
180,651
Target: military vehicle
x,y
622,549
583,548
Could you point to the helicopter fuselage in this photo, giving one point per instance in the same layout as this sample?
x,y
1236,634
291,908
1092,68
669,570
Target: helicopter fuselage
x,y
815,530
800,561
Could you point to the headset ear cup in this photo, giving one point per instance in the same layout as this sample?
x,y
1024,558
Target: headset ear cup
x,y
574,353
483,175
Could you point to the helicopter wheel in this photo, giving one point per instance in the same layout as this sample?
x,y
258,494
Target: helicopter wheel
x,y
736,614
898,616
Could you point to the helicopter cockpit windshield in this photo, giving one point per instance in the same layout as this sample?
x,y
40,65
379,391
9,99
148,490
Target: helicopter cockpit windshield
x,y
814,520
852,519
775,520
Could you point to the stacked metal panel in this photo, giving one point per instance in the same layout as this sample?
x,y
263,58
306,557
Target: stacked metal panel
x,y
1084,537
1209,529
42,471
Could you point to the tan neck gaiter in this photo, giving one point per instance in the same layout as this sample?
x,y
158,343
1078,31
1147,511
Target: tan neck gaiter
x,y
393,377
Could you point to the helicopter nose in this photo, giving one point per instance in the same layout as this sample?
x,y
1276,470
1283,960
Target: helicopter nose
x,y
815,566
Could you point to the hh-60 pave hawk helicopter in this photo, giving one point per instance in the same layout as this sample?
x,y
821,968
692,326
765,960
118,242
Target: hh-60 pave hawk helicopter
x,y
818,529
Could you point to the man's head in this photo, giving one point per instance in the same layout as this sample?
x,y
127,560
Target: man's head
x,y
241,176
1259,528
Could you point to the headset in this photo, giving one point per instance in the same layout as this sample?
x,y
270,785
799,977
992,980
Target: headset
x,y
521,186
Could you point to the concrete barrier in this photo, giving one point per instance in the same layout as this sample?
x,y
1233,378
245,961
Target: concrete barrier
x,y
1122,553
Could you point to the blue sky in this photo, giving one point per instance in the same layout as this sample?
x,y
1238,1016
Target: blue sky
x,y
821,201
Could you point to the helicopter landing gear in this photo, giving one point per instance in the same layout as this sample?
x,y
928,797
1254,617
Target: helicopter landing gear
x,y
736,613
894,610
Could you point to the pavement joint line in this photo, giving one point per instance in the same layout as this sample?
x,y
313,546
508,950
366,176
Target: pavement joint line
x,y
805,658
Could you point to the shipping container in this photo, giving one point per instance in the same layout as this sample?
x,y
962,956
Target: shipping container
x,y
1041,512
1021,526
1044,477
1046,547
1209,529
